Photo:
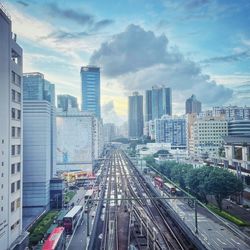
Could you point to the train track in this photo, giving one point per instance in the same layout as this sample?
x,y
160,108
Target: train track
x,y
156,229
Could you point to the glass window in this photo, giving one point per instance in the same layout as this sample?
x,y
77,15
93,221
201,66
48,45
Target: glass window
x,y
12,187
13,113
13,76
12,168
18,97
18,203
13,130
18,185
18,132
13,95
13,150
18,149
18,114
18,80
12,206
18,167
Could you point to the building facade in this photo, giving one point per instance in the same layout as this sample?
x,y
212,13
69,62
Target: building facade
x,y
171,130
90,78
109,132
207,136
11,131
135,116
193,105
239,128
66,102
158,102
39,143
232,112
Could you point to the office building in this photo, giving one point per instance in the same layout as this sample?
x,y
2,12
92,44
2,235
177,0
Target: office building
x,y
158,102
108,132
66,102
11,130
239,128
90,78
232,112
207,136
39,144
193,105
79,141
135,116
171,130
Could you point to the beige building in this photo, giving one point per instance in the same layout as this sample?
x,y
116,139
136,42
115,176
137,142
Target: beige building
x,y
205,135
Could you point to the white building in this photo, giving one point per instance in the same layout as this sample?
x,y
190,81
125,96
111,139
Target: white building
x,y
206,136
78,141
11,69
232,112
98,138
39,156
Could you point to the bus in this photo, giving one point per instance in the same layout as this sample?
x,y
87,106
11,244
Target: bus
x,y
88,196
71,218
56,240
158,182
170,188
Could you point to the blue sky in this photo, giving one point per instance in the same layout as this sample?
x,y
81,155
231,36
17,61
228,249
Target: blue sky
x,y
193,46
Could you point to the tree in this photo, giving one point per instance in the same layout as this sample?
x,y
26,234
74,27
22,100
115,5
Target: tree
x,y
222,183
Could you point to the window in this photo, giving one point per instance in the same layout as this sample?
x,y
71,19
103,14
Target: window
x,y
18,114
12,206
2,209
12,227
18,203
18,185
13,113
12,168
18,149
18,132
13,76
13,95
13,129
18,80
18,167
13,150
18,97
12,187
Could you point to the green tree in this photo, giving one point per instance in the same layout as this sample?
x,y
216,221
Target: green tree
x,y
222,183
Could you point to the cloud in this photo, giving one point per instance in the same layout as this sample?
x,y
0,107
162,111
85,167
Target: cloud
x,y
82,18
72,15
194,4
139,59
60,34
229,58
23,3
110,115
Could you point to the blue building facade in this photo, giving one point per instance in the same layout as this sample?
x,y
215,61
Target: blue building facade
x,y
171,130
90,78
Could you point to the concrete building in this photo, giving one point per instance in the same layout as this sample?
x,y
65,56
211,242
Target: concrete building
x,y
90,77
193,105
232,112
135,115
98,138
39,144
11,131
206,136
66,102
109,132
171,130
158,102
239,128
76,146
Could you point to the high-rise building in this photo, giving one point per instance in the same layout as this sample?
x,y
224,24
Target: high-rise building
x,y
193,105
65,102
135,116
39,144
90,77
158,102
108,132
11,130
239,128
171,130
232,112
207,136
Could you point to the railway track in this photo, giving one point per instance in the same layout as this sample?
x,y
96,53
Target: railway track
x,y
156,230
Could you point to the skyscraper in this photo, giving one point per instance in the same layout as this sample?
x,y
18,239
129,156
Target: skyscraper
x,y
193,105
39,143
135,119
66,101
11,126
158,102
90,77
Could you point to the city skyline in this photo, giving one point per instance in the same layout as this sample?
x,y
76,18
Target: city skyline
x,y
74,34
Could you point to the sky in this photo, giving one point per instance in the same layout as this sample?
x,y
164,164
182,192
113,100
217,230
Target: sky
x,y
199,47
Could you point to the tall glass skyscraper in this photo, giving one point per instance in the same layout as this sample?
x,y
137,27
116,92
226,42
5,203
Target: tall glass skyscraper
x,y
158,102
90,77
193,105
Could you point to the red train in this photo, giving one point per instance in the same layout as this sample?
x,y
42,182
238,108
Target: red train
x,y
158,182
